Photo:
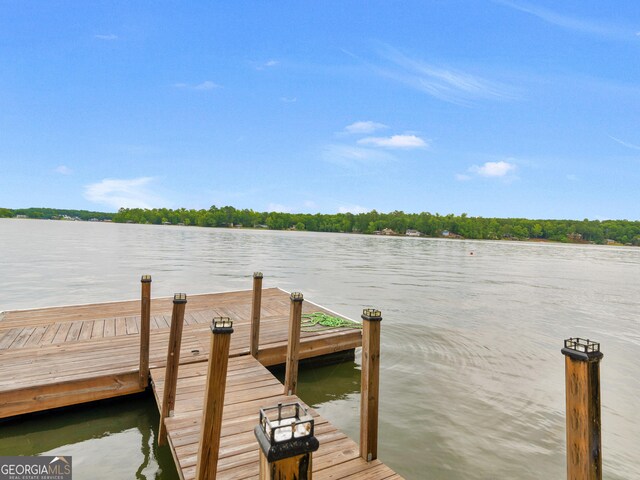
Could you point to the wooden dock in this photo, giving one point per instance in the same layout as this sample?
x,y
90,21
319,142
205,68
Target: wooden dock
x,y
62,356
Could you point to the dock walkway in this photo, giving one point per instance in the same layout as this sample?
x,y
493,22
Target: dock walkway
x,y
251,386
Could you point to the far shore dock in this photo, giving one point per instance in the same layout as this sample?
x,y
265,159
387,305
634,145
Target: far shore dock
x,y
64,356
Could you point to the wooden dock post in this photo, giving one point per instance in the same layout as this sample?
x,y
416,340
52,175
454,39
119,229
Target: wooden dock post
x,y
221,330
255,313
173,360
285,434
370,384
582,377
145,325
293,346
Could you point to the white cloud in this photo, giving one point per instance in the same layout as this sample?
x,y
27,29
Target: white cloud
x,y
348,156
395,141
206,85
289,99
127,193
443,83
108,37
364,127
633,146
567,22
355,209
63,170
493,169
310,204
461,177
268,64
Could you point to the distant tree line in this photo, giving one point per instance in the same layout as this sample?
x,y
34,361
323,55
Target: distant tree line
x,y
55,214
428,224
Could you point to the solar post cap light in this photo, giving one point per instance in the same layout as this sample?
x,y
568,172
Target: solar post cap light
x,y
371,314
286,438
582,349
221,325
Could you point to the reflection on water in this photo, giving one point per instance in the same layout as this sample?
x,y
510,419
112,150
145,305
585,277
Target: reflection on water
x,y
107,440
471,378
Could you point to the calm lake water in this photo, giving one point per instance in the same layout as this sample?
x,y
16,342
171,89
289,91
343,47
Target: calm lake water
x,y
472,378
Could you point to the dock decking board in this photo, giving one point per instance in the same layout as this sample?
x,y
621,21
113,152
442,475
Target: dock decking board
x,y
117,319
61,356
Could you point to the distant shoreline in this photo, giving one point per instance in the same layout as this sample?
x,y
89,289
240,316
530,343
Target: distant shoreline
x,y
105,217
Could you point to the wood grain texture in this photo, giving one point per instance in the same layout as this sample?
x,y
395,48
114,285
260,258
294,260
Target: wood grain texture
x,y
369,389
172,364
255,316
293,348
292,468
584,444
213,406
145,329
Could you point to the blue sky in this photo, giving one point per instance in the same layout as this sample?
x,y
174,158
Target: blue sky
x,y
494,108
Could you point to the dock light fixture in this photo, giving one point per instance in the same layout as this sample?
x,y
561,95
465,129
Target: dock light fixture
x,y
371,314
221,325
180,298
582,349
146,279
297,297
286,438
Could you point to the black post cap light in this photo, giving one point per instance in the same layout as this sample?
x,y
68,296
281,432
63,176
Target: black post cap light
x,y
221,325
582,349
285,431
180,298
371,314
